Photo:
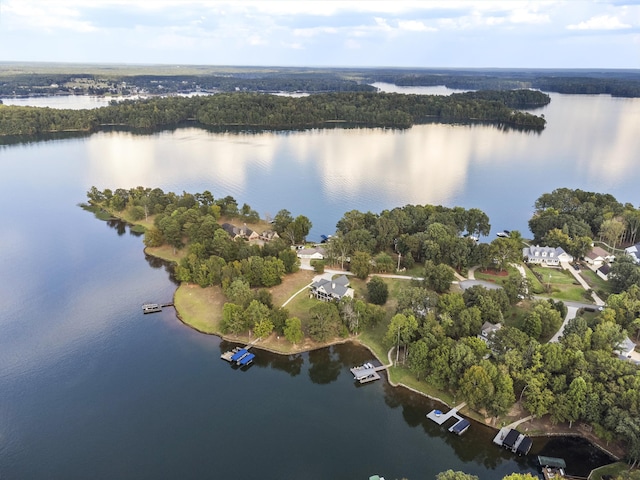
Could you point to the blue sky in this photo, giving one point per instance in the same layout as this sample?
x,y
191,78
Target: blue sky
x,y
477,33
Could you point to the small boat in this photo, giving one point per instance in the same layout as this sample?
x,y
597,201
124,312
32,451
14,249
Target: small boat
x,y
504,234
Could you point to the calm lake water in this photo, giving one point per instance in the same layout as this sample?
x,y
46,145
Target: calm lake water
x,y
93,388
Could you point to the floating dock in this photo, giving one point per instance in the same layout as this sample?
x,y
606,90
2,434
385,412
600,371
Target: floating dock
x,y
154,307
151,308
239,355
227,355
366,373
461,426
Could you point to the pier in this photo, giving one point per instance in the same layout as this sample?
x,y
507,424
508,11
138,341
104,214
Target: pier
x,y
240,355
367,372
459,427
155,307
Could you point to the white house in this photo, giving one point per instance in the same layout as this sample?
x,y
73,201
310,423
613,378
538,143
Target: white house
x,y
331,289
488,330
597,256
545,255
625,348
317,253
634,252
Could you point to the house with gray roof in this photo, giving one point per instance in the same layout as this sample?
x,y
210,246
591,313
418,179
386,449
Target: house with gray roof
x,y
488,330
545,255
331,289
625,348
316,253
634,252
240,232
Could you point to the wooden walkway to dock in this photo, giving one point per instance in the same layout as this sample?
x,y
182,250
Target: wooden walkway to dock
x,y
440,418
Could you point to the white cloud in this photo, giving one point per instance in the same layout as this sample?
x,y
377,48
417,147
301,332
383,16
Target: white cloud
x,y
600,22
528,17
312,32
414,26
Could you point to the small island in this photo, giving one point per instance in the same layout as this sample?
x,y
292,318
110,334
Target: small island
x,y
516,328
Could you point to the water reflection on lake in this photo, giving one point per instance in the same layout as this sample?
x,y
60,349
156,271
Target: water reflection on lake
x,y
91,387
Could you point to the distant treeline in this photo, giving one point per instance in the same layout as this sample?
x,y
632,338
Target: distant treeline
x,y
623,86
56,84
272,111
160,80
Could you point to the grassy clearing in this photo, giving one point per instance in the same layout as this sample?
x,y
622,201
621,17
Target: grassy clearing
x,y
200,308
291,284
517,313
165,252
595,282
609,471
562,284
536,286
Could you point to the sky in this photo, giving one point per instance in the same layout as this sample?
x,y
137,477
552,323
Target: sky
x,y
361,33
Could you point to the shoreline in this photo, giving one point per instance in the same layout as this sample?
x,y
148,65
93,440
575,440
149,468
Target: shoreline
x,y
355,340
594,440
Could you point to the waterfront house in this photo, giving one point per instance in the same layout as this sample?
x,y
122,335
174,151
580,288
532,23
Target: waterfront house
x,y
545,255
269,235
597,256
240,232
634,252
331,289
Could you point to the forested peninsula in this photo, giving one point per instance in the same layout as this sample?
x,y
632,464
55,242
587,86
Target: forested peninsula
x,y
238,272
281,112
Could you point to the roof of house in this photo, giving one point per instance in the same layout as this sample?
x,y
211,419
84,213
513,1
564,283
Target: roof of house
x,y
335,287
626,345
634,251
597,252
234,231
545,252
488,328
311,251
604,269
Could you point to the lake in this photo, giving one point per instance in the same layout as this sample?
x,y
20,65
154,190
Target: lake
x,y
91,387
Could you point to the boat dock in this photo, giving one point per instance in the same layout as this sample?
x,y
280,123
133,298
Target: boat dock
x,y
155,307
459,427
513,440
367,372
240,355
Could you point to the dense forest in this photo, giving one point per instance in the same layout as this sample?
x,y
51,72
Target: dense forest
x,y
30,80
272,111
434,327
617,84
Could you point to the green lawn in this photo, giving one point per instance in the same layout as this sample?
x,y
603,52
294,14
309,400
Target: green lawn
x,y
562,284
595,282
613,469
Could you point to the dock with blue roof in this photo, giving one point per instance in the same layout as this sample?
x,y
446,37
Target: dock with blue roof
x,y
240,355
